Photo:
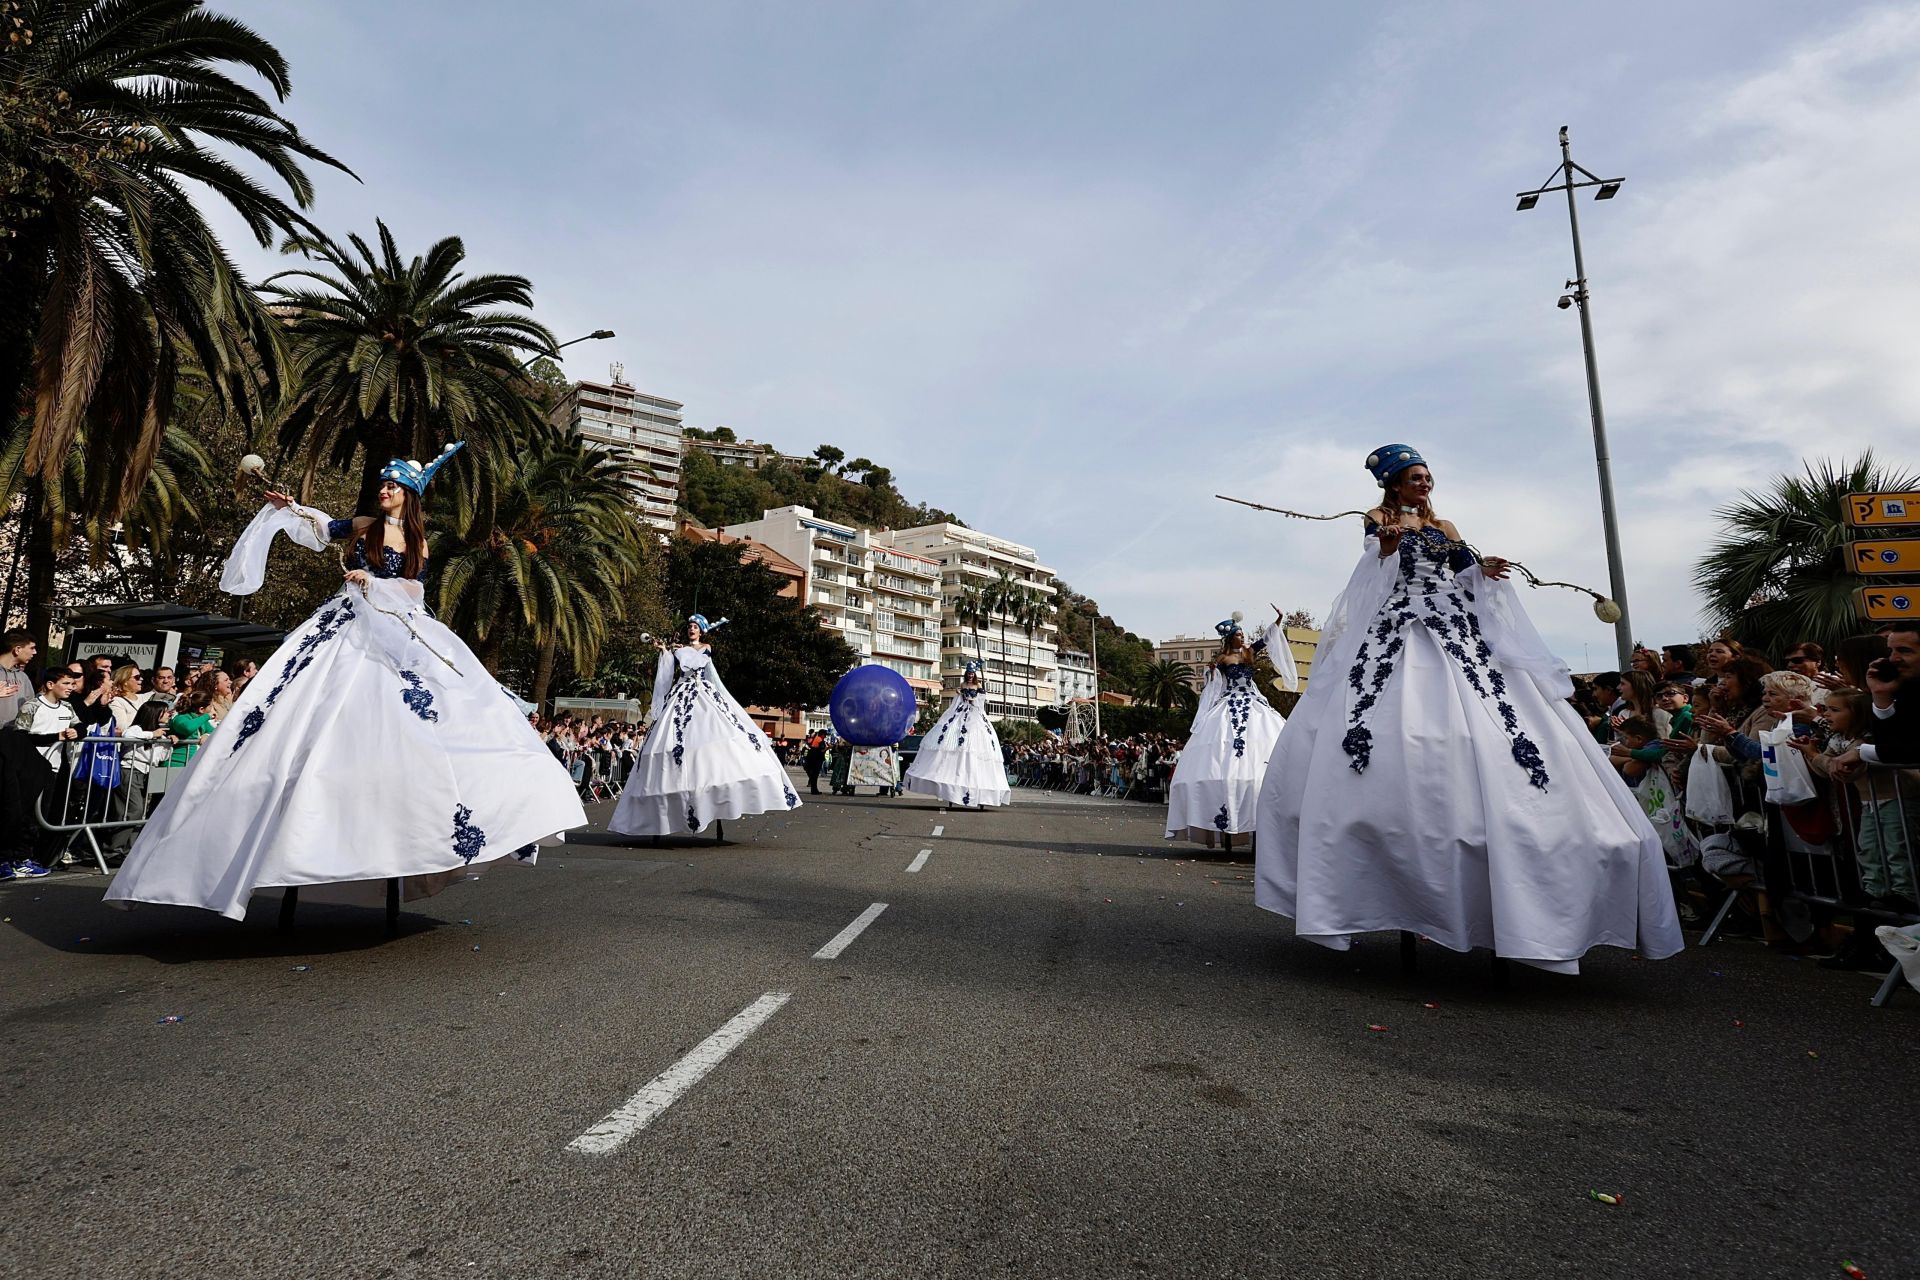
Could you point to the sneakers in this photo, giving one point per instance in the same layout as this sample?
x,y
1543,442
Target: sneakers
x,y
25,869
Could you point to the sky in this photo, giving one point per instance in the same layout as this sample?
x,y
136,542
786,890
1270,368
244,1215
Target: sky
x,y
1071,269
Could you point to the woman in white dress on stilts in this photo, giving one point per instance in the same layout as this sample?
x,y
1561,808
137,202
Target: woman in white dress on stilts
x,y
959,758
1215,788
1434,778
703,759
372,755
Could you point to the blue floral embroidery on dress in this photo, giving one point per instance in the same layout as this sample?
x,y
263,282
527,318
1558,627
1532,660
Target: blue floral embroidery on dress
x,y
326,626
526,851
468,840
1425,556
793,801
1239,703
693,818
418,697
1220,819
966,797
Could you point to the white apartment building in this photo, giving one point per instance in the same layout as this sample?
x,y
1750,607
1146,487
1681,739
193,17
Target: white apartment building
x,y
644,427
1020,671
1074,679
882,600
735,453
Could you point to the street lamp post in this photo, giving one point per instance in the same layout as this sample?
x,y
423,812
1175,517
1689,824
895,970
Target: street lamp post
x,y
555,353
1578,296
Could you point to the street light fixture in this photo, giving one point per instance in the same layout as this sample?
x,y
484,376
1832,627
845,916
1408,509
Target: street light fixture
x,y
1578,296
554,354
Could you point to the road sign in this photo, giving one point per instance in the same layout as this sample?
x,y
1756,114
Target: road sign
x,y
1883,508
1893,555
1890,604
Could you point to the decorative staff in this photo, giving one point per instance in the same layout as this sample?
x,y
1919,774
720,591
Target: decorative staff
x,y
1604,608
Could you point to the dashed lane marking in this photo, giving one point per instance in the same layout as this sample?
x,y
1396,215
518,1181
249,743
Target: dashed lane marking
x,y
844,939
920,861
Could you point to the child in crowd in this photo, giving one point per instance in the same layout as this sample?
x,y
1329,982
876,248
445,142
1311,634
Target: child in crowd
x,y
1882,847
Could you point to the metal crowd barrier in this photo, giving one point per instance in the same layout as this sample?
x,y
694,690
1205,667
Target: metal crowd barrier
x,y
1827,874
85,807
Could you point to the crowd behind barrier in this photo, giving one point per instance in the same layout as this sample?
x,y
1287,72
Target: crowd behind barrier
x,y
1778,821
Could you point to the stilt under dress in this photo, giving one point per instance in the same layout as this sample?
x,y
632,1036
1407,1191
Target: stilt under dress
x,y
703,759
1215,788
355,755
1434,778
959,758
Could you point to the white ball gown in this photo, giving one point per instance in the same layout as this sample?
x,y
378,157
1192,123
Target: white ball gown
x,y
959,758
704,758
355,755
1434,778
1215,788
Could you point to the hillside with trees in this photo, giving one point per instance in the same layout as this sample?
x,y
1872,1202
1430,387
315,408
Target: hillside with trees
x,y
857,492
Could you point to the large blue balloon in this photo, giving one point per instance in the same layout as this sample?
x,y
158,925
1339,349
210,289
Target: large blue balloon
x,y
872,706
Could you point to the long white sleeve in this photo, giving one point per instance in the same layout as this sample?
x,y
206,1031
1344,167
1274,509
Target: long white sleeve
x,y
246,567
1280,653
662,684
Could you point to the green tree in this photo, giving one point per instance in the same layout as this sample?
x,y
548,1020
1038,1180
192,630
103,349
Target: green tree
x,y
1777,575
553,556
395,356
773,652
110,276
1163,684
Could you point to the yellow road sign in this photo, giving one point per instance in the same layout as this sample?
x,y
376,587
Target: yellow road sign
x,y
1891,603
1883,508
1893,555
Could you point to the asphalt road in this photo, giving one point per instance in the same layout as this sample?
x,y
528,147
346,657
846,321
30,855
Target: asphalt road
x,y
1063,1048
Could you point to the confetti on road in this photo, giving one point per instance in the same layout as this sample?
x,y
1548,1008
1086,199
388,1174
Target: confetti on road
x,y
1430,1005
1604,1198
172,1019
301,968
1853,1271
1739,1025
1374,1026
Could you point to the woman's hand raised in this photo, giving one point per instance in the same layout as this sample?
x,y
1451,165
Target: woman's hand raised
x,y
278,499
1495,568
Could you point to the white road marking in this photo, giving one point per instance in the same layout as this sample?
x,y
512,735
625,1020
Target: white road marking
x,y
844,939
938,830
661,1092
920,861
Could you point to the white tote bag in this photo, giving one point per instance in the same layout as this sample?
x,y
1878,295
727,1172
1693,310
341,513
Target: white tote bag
x,y
1709,798
1789,781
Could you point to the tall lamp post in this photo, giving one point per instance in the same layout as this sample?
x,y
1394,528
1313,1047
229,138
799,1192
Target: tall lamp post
x,y
1577,296
554,354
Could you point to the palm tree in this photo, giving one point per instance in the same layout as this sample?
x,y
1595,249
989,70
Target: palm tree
x,y
1165,684
969,611
110,274
395,356
1778,576
1031,613
1002,597
551,557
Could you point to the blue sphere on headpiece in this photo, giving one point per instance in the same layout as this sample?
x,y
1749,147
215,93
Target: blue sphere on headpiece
x,y
1226,627
1389,460
409,474
970,668
873,706
700,620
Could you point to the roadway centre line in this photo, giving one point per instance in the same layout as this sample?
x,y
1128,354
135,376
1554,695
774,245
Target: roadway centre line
x,y
844,939
920,861
661,1092
938,830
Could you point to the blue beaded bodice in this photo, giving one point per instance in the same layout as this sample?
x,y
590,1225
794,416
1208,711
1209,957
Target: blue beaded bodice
x,y
392,563
1427,593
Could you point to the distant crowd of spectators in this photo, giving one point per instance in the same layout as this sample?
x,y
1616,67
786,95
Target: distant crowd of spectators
x,y
1137,767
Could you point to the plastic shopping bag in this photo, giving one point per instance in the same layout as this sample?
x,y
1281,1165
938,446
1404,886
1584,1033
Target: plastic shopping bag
x,y
1709,797
1662,808
1789,781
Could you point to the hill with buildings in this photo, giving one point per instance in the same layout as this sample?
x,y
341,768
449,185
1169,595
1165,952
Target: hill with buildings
x,y
725,482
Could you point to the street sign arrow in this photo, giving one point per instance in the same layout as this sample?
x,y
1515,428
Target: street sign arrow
x,y
1889,555
1890,604
1882,508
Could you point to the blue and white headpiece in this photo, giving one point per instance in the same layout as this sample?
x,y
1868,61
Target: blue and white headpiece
x,y
409,474
970,668
700,620
1389,460
1227,626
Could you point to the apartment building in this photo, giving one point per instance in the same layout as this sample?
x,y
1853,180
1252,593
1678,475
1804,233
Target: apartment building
x,y
881,599
735,453
1074,679
643,426
1197,651
1021,670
